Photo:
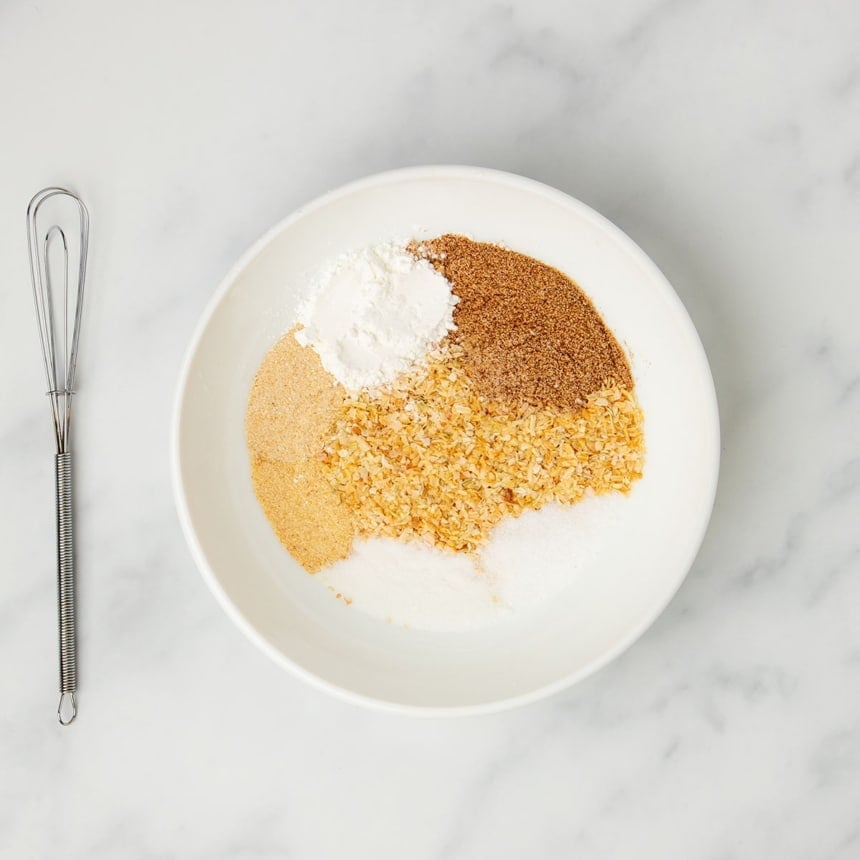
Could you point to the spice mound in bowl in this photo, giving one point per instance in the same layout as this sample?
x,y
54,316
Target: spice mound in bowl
x,y
429,391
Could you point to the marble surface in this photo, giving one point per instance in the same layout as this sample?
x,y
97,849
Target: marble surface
x,y
725,138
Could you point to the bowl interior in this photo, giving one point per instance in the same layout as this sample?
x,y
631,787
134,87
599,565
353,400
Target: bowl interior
x,y
642,558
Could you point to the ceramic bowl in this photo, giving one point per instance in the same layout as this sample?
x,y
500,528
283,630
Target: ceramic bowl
x,y
645,555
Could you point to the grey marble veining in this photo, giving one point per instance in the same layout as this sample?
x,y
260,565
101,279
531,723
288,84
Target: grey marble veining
x,y
724,137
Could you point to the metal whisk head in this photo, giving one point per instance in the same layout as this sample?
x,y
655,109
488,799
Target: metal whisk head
x,y
59,295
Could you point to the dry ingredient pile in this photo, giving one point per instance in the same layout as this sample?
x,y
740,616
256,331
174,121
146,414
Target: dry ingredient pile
x,y
528,401
529,333
292,405
430,458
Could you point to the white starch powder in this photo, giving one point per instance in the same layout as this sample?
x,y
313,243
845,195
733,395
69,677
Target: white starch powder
x,y
371,313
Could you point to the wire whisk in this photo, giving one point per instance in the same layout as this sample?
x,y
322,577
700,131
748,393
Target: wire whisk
x,y
59,304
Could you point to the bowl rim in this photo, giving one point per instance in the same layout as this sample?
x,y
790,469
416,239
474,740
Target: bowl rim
x,y
393,176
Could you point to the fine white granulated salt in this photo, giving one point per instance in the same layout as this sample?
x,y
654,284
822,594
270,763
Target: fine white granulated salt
x,y
528,561
414,585
535,557
371,313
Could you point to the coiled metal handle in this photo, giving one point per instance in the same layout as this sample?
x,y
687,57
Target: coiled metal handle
x,y
67,709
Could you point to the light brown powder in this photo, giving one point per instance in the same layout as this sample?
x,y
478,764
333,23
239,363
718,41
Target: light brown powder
x,y
292,405
305,512
293,401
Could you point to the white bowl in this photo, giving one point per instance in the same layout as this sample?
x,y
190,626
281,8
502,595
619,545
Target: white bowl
x,y
295,620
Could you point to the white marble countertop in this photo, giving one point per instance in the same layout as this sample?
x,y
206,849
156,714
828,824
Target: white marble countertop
x,y
724,137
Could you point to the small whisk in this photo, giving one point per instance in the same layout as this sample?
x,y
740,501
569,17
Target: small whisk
x,y
59,302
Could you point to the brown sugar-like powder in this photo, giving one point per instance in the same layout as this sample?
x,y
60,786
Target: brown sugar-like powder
x,y
292,405
529,334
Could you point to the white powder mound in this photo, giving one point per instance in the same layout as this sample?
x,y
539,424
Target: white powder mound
x,y
371,313
415,585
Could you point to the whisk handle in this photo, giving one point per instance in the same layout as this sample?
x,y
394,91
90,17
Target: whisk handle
x,y
67,709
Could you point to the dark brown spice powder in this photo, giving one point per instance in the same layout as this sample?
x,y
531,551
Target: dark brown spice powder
x,y
530,335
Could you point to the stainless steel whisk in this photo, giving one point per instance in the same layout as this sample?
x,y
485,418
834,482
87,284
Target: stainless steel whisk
x,y
59,336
